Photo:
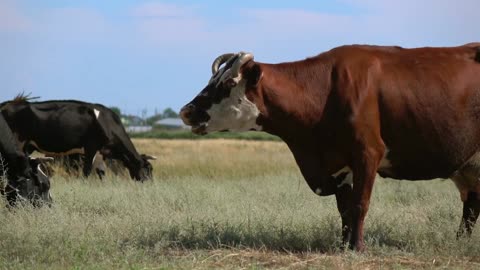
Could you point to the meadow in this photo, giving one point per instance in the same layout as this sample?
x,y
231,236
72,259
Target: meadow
x,y
230,204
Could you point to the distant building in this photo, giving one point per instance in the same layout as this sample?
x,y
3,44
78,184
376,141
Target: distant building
x,y
131,120
171,123
138,129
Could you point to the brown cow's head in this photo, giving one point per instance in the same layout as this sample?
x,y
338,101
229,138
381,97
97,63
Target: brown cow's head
x,y
226,103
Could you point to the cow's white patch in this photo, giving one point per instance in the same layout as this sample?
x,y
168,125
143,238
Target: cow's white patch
x,y
347,181
98,162
39,168
385,165
318,191
69,152
234,113
343,170
96,112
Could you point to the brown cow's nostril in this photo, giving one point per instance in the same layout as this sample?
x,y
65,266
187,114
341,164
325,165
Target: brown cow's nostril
x,y
192,115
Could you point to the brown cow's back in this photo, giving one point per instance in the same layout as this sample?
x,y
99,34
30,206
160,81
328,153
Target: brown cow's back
x,y
429,104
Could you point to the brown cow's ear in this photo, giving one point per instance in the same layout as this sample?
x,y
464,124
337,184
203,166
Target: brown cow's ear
x,y
253,73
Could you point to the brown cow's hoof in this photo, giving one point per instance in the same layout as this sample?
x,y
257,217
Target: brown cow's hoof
x,y
358,247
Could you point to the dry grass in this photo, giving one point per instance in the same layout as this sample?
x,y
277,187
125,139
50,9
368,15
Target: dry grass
x,y
217,158
230,204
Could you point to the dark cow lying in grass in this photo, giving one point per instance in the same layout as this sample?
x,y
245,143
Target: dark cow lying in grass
x,y
62,127
404,113
25,179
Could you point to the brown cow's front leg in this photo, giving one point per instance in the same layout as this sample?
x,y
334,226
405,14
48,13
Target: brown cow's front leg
x,y
364,172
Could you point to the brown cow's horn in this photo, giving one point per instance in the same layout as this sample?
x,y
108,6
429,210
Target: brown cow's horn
x,y
242,59
220,60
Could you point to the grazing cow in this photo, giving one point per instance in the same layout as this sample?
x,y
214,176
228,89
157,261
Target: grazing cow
x,y
25,178
102,160
62,127
404,113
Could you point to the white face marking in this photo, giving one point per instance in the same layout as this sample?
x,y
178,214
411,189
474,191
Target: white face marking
x,y
96,112
71,151
235,113
318,191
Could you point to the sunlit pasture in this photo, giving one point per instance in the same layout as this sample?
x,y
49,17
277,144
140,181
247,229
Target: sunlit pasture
x,y
230,204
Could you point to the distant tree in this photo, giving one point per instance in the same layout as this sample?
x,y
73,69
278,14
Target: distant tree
x,y
152,119
169,113
116,110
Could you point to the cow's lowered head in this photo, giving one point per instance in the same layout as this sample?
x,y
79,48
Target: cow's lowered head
x,y
32,185
227,103
144,170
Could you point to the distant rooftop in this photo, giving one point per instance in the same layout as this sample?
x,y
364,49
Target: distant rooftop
x,y
171,122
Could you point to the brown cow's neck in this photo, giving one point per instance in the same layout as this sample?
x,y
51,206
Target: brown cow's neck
x,y
293,96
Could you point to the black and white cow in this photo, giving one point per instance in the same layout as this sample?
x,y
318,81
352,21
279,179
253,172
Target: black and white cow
x,y
25,178
62,127
103,160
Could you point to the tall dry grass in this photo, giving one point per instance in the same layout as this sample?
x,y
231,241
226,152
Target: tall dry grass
x,y
230,204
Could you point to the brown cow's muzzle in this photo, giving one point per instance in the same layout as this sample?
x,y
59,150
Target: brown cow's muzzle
x,y
186,112
196,118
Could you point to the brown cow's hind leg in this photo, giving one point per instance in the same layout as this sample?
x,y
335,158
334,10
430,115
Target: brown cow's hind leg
x,y
343,196
471,210
467,182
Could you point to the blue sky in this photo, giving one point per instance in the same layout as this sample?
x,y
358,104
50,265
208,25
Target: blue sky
x,y
147,55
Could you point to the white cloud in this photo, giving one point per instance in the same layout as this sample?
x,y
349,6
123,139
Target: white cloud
x,y
167,25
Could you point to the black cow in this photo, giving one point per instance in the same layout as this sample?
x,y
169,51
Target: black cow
x,y
61,127
25,178
72,163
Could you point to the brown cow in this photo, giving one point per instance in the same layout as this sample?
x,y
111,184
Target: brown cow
x,y
404,113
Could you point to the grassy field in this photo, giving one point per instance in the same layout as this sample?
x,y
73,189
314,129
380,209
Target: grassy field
x,y
230,204
188,135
